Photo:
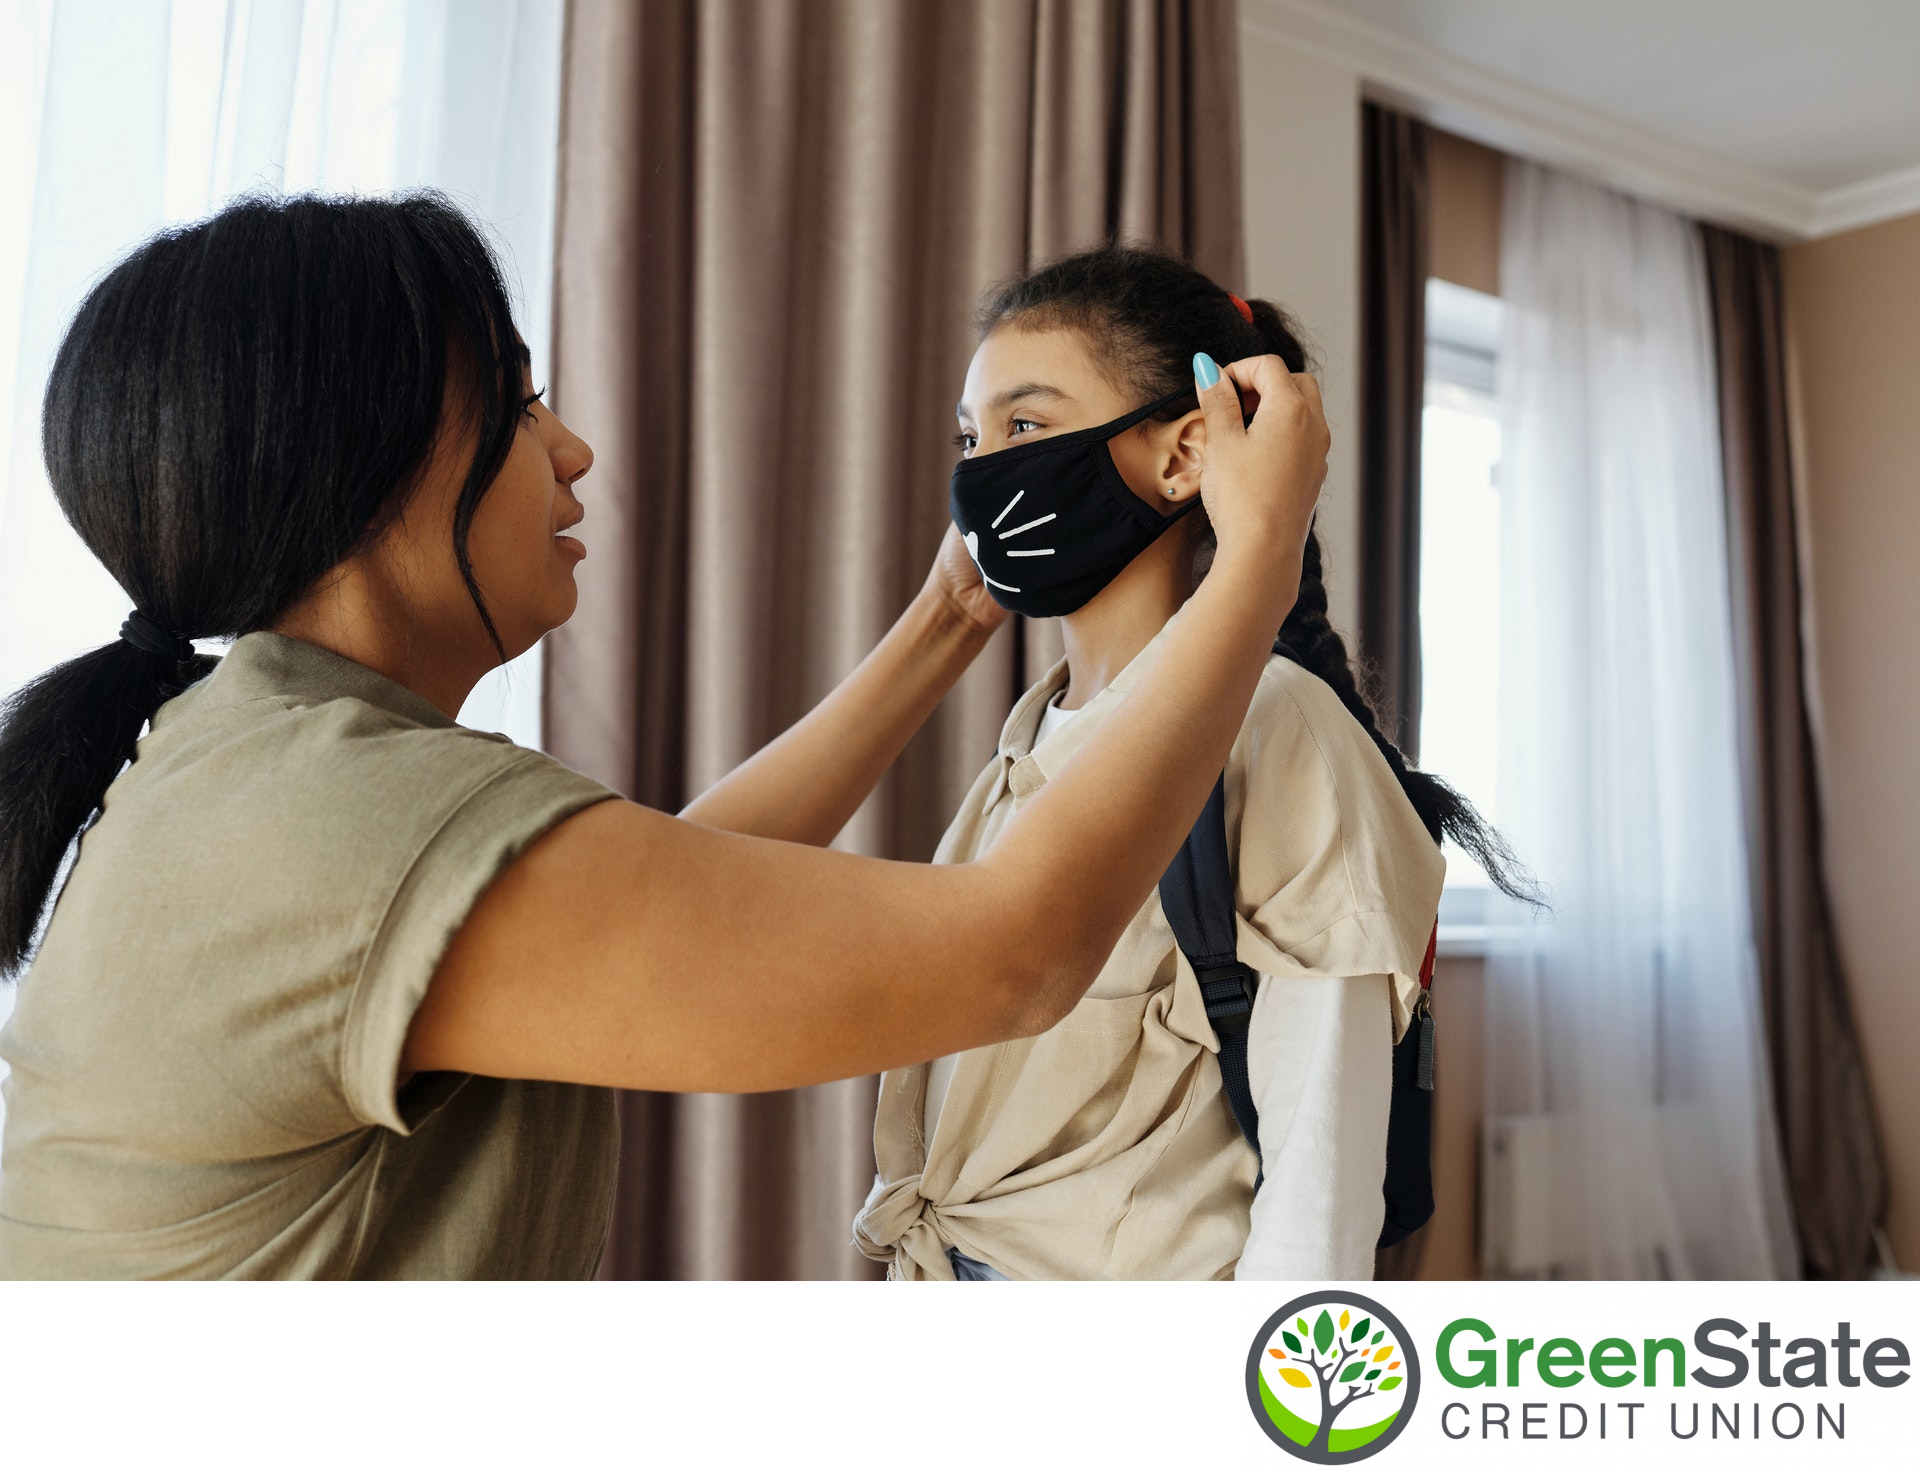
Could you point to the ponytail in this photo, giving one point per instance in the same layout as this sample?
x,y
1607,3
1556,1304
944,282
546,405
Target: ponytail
x,y
64,737
1314,644
1147,314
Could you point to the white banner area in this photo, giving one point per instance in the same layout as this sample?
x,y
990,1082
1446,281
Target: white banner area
x,y
1036,1376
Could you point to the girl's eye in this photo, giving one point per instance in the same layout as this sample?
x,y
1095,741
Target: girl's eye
x,y
966,440
1013,426
526,404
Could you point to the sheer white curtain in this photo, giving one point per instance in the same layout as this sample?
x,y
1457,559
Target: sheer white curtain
x,y
1626,1061
120,118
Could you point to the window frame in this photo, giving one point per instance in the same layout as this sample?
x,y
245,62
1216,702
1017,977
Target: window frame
x,y
1462,351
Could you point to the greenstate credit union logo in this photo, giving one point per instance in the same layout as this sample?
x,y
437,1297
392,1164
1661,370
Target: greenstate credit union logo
x,y
1332,1378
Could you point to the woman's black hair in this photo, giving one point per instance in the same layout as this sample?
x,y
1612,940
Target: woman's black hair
x,y
237,407
1146,314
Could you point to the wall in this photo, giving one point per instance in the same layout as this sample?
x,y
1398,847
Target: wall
x,y
1853,310
1463,210
1300,120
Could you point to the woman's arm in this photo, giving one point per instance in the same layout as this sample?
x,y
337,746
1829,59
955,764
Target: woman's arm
x,y
1320,1060
634,949
804,786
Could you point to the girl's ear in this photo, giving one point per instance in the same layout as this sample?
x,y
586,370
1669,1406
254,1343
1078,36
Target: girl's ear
x,y
1183,459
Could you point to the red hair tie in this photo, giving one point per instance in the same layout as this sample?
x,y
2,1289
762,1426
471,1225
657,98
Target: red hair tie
x,y
1244,310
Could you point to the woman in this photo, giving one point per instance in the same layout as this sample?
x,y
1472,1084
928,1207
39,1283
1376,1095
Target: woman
x,y
1105,1148
337,987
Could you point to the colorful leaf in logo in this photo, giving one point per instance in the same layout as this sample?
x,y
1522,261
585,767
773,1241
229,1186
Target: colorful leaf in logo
x,y
1294,1376
1360,1331
1389,1383
1382,1353
1293,1340
1352,1372
1343,1319
1323,1332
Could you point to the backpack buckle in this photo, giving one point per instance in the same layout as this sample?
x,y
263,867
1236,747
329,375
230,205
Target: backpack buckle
x,y
1228,994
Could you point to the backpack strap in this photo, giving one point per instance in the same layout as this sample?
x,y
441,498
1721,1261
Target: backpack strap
x,y
1196,893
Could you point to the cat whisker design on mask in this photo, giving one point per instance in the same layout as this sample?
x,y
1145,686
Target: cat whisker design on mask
x,y
972,539
1027,526
1008,507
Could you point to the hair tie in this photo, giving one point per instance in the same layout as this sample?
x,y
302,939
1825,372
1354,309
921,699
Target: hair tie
x,y
155,639
1244,310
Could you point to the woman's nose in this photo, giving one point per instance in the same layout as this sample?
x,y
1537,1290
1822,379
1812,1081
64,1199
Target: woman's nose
x,y
572,456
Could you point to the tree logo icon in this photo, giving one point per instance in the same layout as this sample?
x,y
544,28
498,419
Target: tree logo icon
x,y
1332,1378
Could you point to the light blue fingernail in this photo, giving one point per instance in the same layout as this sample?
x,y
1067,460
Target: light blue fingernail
x,y
1206,372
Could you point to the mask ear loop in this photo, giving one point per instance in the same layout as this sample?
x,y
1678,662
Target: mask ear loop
x,y
1110,473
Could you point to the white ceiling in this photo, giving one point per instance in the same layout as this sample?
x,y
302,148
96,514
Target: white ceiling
x,y
1803,114
1821,92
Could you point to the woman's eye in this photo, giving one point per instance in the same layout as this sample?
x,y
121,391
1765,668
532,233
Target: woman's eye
x,y
1014,426
526,404
966,440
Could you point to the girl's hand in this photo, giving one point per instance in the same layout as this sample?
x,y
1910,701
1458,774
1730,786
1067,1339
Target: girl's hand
x,y
955,581
1262,480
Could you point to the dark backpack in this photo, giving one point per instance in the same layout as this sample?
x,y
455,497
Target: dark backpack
x,y
1196,893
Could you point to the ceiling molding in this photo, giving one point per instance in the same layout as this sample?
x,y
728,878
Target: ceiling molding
x,y
1515,117
1868,202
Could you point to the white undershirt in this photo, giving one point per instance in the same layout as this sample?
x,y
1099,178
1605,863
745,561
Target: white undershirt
x,y
1052,718
1320,1063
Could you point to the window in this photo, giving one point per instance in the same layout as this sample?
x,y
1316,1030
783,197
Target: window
x,y
1460,577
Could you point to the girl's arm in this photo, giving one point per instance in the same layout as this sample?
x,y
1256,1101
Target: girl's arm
x,y
1320,1060
634,949
804,786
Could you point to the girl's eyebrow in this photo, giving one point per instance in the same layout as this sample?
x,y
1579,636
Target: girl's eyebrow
x,y
1015,394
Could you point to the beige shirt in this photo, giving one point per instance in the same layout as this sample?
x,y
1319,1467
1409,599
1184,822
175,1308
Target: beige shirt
x,y
1104,1148
205,1051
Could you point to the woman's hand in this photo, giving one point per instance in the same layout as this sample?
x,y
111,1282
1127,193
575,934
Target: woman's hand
x,y
804,786
1263,478
955,580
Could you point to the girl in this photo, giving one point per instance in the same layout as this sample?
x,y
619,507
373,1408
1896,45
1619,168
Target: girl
x,y
338,987
1105,1148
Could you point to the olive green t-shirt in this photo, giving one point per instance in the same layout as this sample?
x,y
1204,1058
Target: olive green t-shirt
x,y
205,1052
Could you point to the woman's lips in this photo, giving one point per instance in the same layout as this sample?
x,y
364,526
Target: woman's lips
x,y
572,546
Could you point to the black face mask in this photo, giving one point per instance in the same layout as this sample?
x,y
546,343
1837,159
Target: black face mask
x,y
1052,523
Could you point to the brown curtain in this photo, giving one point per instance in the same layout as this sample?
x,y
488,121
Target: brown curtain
x,y
1836,1176
774,218
1393,357
1393,336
